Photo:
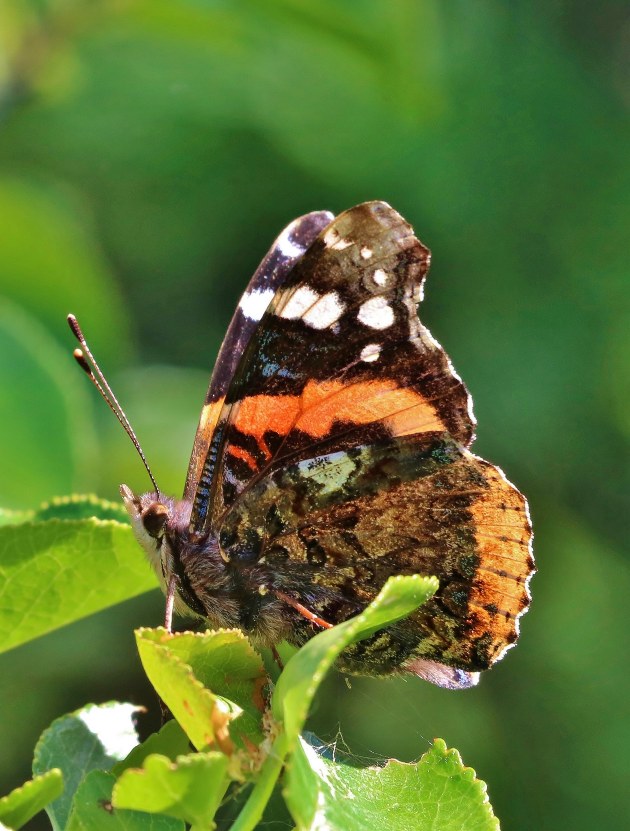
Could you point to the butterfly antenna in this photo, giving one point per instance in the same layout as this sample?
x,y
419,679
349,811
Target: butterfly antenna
x,y
87,362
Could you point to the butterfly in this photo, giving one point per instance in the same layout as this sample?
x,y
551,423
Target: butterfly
x,y
333,452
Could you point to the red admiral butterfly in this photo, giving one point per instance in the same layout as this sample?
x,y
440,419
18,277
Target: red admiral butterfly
x,y
333,452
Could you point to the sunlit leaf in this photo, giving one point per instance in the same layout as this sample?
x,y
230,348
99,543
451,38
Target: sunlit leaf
x,y
190,789
92,810
225,662
329,790
79,506
204,716
30,798
58,571
8,517
93,738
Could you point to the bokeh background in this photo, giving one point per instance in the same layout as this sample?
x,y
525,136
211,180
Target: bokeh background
x,y
149,153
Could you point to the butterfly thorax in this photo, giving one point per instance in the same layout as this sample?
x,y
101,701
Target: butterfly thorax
x,y
228,594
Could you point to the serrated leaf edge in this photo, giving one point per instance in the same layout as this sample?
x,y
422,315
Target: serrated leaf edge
x,y
207,633
77,498
16,512
224,744
181,762
93,521
53,773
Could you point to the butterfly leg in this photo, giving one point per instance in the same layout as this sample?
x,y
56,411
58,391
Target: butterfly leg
x,y
165,713
170,602
318,621
277,658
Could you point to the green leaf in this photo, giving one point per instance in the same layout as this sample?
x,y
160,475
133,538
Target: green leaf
x,y
9,517
190,789
326,790
56,572
92,810
32,797
75,506
204,716
169,741
304,673
93,738
225,662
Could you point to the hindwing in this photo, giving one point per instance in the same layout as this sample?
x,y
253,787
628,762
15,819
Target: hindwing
x,y
331,530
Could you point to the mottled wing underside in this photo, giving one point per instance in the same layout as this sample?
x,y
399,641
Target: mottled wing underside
x,y
333,453
339,358
342,523
277,263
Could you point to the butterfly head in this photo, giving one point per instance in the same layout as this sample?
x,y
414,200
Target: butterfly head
x,y
151,515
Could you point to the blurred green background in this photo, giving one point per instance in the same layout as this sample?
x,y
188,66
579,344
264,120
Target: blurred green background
x,y
149,153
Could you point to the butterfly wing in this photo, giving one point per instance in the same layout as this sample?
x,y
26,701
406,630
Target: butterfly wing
x,y
283,254
330,530
338,359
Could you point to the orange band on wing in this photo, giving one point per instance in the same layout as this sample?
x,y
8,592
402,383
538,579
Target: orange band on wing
x,y
313,412
244,455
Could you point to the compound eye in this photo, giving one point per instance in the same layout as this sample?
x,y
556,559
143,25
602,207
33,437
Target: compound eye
x,y
154,520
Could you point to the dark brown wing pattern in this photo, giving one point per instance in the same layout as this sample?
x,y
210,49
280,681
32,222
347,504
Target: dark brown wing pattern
x,y
338,358
286,250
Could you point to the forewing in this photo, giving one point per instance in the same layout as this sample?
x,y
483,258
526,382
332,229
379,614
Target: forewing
x,y
338,358
283,254
332,529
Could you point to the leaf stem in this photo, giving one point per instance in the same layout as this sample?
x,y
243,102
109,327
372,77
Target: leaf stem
x,y
254,808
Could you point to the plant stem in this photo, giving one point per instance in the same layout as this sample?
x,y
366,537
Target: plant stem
x,y
254,808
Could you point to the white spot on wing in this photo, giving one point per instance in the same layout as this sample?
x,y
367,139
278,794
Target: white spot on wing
x,y
285,244
334,241
376,313
371,352
366,252
254,303
380,277
325,311
299,302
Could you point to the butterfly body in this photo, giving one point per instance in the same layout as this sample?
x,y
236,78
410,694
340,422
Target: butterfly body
x,y
332,453
225,594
